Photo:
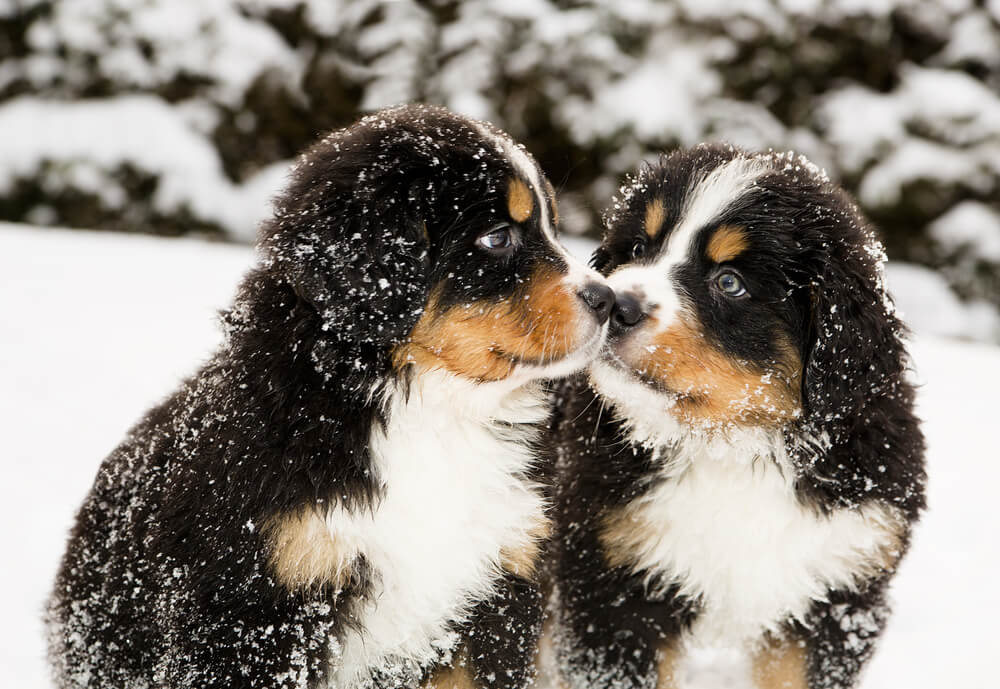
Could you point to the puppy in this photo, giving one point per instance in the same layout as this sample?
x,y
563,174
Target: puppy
x,y
743,466
345,495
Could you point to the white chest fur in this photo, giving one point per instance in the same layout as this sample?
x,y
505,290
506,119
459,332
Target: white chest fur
x,y
731,531
455,496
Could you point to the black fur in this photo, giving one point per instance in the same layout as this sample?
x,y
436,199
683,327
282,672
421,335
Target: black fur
x,y
609,628
165,580
813,270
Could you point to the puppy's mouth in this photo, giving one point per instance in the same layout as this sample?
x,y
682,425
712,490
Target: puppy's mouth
x,y
610,354
584,354
613,359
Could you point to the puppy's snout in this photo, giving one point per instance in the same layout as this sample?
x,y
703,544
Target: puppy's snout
x,y
626,313
600,298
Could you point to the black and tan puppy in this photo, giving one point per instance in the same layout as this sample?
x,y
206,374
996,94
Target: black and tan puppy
x,y
345,495
743,466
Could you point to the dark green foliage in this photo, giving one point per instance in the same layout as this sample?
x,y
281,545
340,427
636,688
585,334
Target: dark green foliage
x,y
590,87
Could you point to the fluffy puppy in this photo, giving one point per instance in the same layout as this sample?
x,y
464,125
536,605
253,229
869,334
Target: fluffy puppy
x,y
743,467
345,495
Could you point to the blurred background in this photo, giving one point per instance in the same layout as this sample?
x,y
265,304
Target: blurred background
x,y
180,117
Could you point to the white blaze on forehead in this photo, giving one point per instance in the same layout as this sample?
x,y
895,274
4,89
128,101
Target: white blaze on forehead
x,y
577,274
528,170
707,198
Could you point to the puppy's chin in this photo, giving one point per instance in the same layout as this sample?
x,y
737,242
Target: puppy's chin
x,y
544,331
493,367
592,341
673,380
647,408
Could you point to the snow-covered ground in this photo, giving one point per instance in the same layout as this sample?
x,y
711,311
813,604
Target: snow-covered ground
x,y
94,328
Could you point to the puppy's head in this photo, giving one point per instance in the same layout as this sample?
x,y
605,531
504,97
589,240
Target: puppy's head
x,y
749,293
429,239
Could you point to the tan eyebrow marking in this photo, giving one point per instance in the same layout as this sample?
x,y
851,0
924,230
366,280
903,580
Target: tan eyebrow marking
x,y
655,214
520,200
727,243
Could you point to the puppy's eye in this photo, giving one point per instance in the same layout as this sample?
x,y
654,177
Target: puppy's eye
x,y
731,285
638,249
500,239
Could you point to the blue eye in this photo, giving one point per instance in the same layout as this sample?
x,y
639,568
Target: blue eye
x,y
499,239
731,285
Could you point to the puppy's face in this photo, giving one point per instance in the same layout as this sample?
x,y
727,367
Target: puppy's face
x,y
427,241
506,302
711,327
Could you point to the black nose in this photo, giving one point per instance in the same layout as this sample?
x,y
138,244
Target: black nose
x,y
627,312
600,298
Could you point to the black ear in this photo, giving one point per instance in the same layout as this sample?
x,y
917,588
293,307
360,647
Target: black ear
x,y
858,436
854,353
349,236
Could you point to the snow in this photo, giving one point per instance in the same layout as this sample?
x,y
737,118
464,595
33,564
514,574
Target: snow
x,y
928,305
972,225
212,38
610,82
97,327
915,160
944,105
658,96
92,139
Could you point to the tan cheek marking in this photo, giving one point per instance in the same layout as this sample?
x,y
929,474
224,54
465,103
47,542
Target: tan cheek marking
x,y
655,214
453,340
303,552
727,243
713,388
538,324
523,561
520,200
781,665
553,314
458,675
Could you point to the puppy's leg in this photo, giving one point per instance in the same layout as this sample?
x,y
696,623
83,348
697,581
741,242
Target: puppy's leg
x,y
667,666
781,664
610,633
843,633
499,644
624,649
267,637
503,637
457,675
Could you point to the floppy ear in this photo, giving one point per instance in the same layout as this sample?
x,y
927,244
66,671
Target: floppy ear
x,y
858,428
350,239
854,352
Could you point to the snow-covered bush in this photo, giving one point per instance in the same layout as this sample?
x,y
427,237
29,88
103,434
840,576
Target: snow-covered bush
x,y
178,116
